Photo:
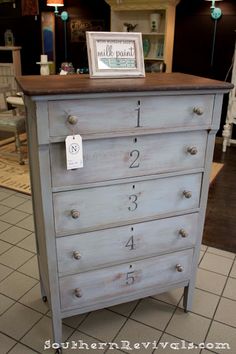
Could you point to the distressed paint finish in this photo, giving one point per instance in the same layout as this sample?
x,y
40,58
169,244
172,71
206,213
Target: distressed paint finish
x,y
110,232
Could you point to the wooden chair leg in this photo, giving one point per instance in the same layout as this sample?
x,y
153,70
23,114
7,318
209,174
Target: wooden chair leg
x,y
19,149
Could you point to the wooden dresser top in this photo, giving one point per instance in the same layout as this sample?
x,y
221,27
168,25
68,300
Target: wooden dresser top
x,y
74,84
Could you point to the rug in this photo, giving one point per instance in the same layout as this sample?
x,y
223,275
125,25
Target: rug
x,y
15,176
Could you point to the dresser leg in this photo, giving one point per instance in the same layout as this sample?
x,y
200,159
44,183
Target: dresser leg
x,y
188,298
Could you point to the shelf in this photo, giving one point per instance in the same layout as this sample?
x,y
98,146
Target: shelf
x,y
159,58
153,34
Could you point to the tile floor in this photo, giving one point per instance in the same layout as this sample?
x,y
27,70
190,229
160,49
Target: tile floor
x,y
160,320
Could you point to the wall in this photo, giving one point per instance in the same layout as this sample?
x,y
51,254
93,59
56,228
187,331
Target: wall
x,y
193,41
27,31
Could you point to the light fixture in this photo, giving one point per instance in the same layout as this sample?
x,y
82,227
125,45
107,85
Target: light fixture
x,y
216,12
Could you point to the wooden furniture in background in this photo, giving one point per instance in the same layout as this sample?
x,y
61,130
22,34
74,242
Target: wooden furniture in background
x,y
129,223
231,111
138,13
11,69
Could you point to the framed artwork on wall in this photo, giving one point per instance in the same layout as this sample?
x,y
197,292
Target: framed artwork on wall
x,y
79,27
115,54
48,38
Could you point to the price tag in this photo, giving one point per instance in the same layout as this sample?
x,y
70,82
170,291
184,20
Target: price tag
x,y
74,152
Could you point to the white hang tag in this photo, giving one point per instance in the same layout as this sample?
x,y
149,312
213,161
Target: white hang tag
x,y
74,152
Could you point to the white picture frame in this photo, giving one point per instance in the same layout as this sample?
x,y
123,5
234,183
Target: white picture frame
x,y
115,54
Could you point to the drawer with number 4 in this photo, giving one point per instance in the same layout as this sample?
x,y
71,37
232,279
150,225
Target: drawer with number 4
x,y
110,159
133,278
102,248
120,114
125,203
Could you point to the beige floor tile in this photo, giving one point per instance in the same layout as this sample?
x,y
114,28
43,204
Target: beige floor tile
x,y
203,247
230,289
85,344
41,333
18,320
210,281
21,349
4,226
216,263
204,303
3,194
5,303
3,209
125,308
102,324
6,343
12,201
220,333
171,297
13,216
5,271
153,313
4,246
74,321
226,312
30,268
26,206
29,243
14,235
27,223
233,270
33,299
134,332
169,345
201,254
16,285
222,253
188,326
15,257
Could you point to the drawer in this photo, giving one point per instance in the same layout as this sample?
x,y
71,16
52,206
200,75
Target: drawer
x,y
80,253
102,207
109,159
119,281
112,115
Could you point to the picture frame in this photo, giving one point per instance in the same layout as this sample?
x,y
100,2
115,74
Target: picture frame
x,y
115,54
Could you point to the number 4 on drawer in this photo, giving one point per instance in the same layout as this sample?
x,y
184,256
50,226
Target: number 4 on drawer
x,y
74,152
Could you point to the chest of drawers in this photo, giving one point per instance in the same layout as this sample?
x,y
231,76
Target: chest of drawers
x,y
129,223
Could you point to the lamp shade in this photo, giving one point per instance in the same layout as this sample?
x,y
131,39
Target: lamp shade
x,y
55,3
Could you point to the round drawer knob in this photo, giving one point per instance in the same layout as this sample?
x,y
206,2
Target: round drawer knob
x,y
198,111
192,150
75,214
72,120
179,268
187,194
78,292
76,255
183,233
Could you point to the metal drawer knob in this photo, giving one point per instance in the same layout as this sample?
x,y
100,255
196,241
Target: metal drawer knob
x,y
187,194
198,111
179,268
75,214
78,292
183,233
192,150
76,255
72,120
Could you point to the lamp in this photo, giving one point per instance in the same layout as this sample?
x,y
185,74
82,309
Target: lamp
x,y
216,12
64,17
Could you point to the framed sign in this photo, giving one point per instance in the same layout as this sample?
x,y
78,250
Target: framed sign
x,y
115,54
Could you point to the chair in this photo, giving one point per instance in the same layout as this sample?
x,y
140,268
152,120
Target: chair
x,y
14,123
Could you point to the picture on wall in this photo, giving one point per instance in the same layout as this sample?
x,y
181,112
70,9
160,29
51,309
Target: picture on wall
x,y
79,27
48,37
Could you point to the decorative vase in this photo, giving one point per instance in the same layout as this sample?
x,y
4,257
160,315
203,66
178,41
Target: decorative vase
x,y
146,47
155,20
